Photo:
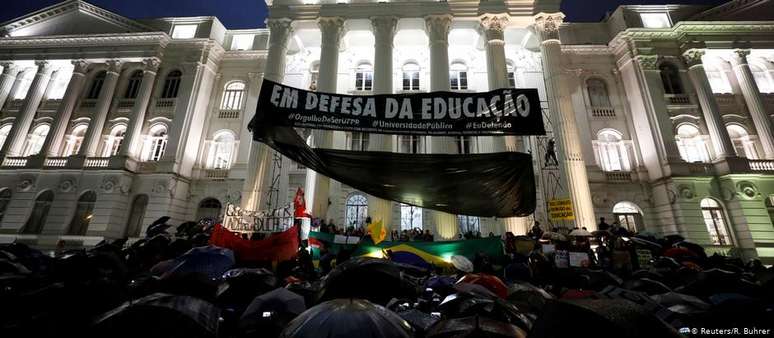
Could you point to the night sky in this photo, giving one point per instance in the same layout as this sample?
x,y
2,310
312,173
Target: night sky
x,y
237,14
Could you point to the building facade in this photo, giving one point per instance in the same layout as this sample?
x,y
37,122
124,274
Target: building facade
x,y
660,116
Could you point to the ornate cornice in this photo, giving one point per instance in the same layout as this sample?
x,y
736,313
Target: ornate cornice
x,y
586,49
95,40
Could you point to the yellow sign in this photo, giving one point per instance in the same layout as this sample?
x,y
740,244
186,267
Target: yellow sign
x,y
560,210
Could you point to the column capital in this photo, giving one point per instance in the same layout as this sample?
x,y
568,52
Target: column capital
x,y
331,27
151,65
547,25
80,66
437,27
279,29
114,66
693,57
494,25
9,68
648,62
739,56
384,27
43,66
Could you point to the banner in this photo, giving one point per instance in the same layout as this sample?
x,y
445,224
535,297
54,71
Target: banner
x,y
499,112
240,220
277,247
560,209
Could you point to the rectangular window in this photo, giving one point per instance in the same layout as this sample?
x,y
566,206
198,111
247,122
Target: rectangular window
x,y
410,144
184,31
410,80
358,141
511,80
458,80
655,20
242,42
464,144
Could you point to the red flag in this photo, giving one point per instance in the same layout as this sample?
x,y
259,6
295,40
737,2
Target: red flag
x,y
299,204
278,247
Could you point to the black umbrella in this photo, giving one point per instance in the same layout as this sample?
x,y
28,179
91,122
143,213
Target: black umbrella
x,y
377,280
646,285
639,298
461,305
269,313
159,226
528,297
599,318
474,326
239,286
309,290
420,321
348,318
160,315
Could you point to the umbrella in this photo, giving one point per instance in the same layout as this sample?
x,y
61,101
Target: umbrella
x,y
462,263
474,290
159,226
474,326
466,304
241,285
679,252
670,299
599,318
639,241
348,318
269,313
419,320
646,285
210,261
554,236
636,297
697,250
160,315
443,285
580,233
377,280
528,297
490,282
602,233
309,290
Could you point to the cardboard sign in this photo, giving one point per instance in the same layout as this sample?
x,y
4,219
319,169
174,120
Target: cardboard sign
x,y
579,259
644,257
560,209
548,248
562,259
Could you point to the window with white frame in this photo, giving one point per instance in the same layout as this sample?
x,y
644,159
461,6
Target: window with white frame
x,y
133,86
74,141
691,144
511,70
35,140
469,224
717,78
464,144
715,220
96,85
655,20
364,77
242,41
410,217
598,95
356,210
411,76
233,96
409,144
114,140
611,151
762,78
4,131
458,76
358,141
155,143
184,31
744,144
221,150
24,81
171,85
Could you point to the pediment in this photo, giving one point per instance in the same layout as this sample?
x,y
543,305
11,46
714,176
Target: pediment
x,y
72,17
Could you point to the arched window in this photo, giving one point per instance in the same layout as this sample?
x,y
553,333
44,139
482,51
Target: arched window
x,y
155,143
171,85
136,215
209,208
364,77
717,78
221,150
5,200
233,95
458,76
358,141
598,96
411,76
114,141
133,87
35,140
39,213
4,131
611,151
670,78
628,216
470,224
409,144
24,79
356,210
511,70
762,79
744,145
715,220
691,144
96,85
84,211
410,217
74,140
464,144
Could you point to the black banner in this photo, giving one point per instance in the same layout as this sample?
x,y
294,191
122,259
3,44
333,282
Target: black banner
x,y
498,112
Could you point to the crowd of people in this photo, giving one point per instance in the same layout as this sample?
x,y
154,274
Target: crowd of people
x,y
173,284
413,235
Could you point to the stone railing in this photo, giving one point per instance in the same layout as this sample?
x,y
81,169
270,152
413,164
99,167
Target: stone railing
x,y
55,162
97,162
89,103
228,114
677,99
15,162
50,104
125,104
618,176
606,112
14,104
216,174
724,99
761,165
164,106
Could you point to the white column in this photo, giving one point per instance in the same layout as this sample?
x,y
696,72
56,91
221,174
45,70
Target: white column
x,y
572,166
53,143
258,180
7,79
251,102
317,191
97,123
14,144
709,107
384,33
130,146
752,96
